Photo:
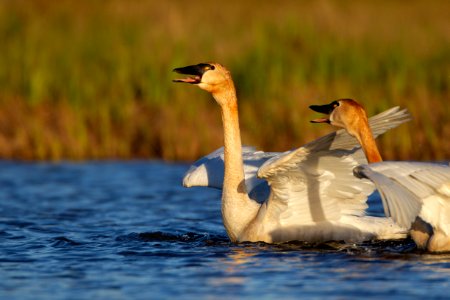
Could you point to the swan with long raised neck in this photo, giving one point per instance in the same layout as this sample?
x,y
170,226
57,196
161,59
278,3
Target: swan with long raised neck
x,y
415,194
313,194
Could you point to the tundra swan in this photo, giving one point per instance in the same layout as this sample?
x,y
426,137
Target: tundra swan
x,y
313,194
415,194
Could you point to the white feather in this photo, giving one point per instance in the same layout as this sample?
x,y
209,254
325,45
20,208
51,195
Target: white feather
x,y
208,171
415,189
313,193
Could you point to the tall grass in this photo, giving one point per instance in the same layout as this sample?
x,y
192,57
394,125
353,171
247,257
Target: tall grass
x,y
92,79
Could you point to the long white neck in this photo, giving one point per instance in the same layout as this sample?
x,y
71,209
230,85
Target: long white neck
x,y
238,210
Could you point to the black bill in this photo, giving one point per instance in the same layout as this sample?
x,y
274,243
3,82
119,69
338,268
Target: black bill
x,y
196,72
324,109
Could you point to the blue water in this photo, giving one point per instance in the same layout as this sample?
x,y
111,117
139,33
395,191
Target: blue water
x,y
129,230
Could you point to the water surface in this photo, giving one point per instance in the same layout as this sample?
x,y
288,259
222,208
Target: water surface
x,y
129,230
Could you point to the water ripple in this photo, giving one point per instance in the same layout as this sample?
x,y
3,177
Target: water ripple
x,y
116,230
63,242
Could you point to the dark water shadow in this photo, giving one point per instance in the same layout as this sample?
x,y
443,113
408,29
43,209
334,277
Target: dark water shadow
x,y
138,244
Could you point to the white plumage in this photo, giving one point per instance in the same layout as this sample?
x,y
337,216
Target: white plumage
x,y
415,194
208,171
415,189
313,194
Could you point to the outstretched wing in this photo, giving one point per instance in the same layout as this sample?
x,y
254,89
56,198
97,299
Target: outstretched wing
x,y
316,181
379,124
319,187
209,171
408,187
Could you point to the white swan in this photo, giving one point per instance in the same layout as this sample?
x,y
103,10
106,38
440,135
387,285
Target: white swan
x,y
415,194
313,193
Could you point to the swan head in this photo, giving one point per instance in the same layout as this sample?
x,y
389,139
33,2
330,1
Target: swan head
x,y
344,113
211,77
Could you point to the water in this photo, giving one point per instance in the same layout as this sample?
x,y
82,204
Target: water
x,y
128,230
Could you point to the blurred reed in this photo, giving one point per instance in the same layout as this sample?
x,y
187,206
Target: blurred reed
x,y
92,79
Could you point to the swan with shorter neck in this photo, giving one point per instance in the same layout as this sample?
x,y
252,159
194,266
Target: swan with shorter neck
x,y
415,194
313,197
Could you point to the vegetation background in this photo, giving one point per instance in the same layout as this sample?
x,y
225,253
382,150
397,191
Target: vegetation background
x,y
88,79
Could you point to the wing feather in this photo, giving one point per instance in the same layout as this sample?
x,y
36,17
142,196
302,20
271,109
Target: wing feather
x,y
322,174
321,188
379,124
208,171
411,188
315,182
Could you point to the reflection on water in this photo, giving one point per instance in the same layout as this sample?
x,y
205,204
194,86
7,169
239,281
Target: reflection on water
x,y
239,256
117,230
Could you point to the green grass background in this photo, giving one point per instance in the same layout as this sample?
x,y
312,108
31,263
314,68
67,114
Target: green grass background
x,y
92,79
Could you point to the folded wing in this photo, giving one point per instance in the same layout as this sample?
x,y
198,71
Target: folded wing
x,y
412,188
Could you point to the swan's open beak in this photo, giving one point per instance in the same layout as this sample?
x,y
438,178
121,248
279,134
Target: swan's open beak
x,y
196,71
324,109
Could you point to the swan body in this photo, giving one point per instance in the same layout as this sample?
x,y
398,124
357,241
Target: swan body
x,y
415,194
313,195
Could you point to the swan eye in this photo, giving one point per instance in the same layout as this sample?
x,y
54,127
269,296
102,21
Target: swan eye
x,y
335,104
208,67
205,67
